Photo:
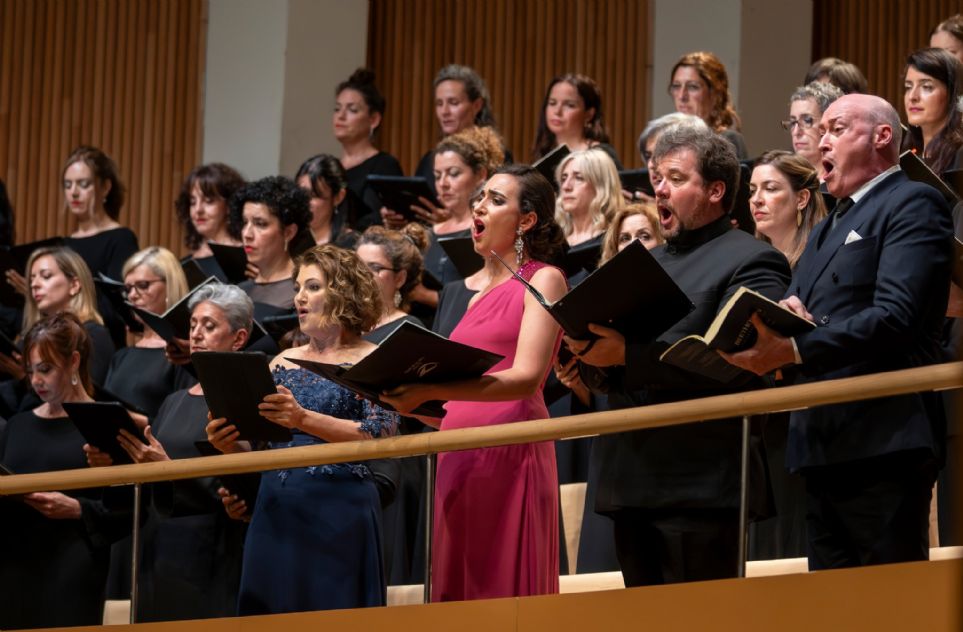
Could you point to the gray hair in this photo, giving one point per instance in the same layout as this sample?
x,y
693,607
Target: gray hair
x,y
655,126
822,93
717,161
475,88
237,306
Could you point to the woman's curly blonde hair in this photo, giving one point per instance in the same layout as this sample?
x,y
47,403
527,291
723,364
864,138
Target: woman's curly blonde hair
x,y
480,148
351,296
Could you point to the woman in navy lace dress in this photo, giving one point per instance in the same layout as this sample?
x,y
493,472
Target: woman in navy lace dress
x,y
314,542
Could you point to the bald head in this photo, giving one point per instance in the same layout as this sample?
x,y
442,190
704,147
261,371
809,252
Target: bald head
x,y
860,139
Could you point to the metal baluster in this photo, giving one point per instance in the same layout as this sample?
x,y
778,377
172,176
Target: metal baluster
x,y
134,554
429,519
743,499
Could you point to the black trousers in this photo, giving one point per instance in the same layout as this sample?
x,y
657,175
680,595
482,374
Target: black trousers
x,y
870,511
679,545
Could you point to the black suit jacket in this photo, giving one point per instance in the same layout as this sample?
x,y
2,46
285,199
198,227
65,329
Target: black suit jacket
x,y
696,465
879,303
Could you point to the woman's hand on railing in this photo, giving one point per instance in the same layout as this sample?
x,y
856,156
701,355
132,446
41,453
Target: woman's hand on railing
x,y
54,505
223,435
235,507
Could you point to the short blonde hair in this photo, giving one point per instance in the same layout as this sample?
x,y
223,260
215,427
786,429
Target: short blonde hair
x,y
352,298
83,304
164,264
599,169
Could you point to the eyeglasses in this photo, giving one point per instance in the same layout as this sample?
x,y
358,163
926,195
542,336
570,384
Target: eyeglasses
x,y
804,122
140,286
377,268
690,86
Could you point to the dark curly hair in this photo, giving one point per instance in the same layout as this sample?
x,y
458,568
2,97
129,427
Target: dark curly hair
x,y
216,181
591,96
403,249
545,241
104,169
286,200
351,297
56,338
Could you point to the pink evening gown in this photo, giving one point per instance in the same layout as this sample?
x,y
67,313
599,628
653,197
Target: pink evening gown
x,y
496,509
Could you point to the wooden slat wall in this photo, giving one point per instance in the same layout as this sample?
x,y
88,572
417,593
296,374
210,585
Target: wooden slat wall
x,y
517,46
122,75
877,35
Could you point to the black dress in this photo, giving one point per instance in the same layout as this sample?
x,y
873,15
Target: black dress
x,y
191,554
142,376
400,525
106,253
368,204
452,304
52,571
276,293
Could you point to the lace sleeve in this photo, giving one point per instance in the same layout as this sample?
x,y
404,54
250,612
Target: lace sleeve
x,y
377,421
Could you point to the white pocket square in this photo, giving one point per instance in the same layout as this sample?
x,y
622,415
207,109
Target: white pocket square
x,y
851,237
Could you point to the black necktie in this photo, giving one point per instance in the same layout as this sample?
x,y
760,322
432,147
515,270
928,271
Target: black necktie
x,y
841,207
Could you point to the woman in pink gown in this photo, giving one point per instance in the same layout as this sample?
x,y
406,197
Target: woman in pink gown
x,y
496,509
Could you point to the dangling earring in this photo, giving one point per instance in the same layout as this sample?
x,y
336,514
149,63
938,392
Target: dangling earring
x,y
397,298
73,380
519,245
798,218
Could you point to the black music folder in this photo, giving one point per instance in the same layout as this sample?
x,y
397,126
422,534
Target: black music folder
x,y
232,259
918,171
399,193
196,275
176,321
115,292
100,423
548,163
234,383
731,331
637,181
740,207
409,354
583,256
461,251
15,258
630,293
245,486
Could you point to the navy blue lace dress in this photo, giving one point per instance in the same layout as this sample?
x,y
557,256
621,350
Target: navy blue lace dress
x,y
314,542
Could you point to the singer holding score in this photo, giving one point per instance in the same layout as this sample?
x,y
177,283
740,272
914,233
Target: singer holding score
x,y
496,530
314,541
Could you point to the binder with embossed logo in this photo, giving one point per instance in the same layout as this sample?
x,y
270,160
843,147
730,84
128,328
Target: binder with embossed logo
x,y
409,354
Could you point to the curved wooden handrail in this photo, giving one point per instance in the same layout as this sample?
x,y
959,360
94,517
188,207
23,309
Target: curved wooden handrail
x,y
935,377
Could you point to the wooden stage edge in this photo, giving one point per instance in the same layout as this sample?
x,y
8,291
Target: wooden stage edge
x,y
916,596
